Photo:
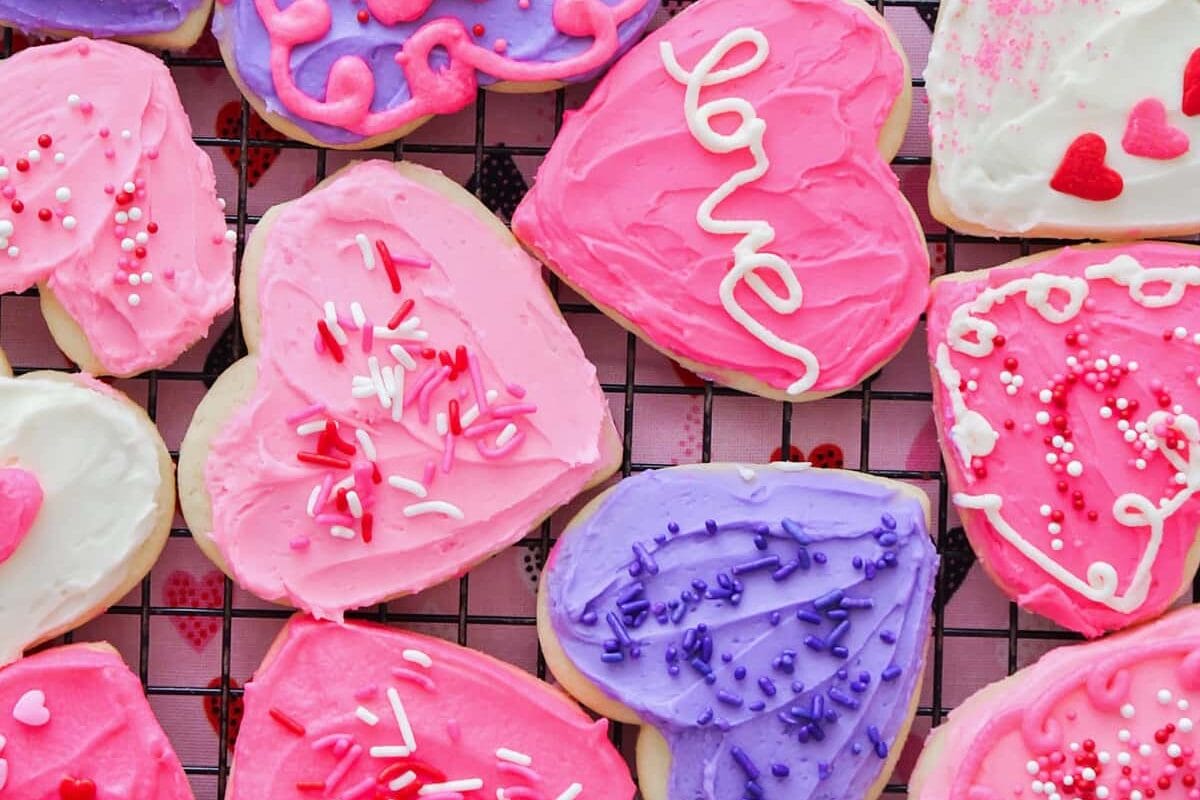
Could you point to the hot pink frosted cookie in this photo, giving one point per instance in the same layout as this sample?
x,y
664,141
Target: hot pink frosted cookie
x,y
1066,393
361,711
725,194
1106,720
1064,118
74,725
107,204
412,402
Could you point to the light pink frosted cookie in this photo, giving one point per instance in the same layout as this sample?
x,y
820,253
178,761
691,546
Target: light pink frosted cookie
x,y
108,206
1106,720
725,194
1067,396
363,712
75,725
1062,118
413,402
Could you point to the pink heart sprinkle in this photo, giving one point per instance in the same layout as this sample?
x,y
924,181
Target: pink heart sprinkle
x,y
1148,134
31,709
20,501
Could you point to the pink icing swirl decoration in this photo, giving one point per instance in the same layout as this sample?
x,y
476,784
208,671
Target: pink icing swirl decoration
x,y
351,85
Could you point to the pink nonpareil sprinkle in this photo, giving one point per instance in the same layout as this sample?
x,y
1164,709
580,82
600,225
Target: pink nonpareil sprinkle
x,y
430,471
366,692
448,452
516,390
299,543
368,336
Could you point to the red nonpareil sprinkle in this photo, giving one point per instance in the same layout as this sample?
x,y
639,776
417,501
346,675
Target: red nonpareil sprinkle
x,y
286,721
22,165
455,419
368,526
124,199
340,501
321,460
428,353
331,343
45,141
376,476
460,358
363,16
139,252
17,206
478,29
400,314
45,214
389,266
152,227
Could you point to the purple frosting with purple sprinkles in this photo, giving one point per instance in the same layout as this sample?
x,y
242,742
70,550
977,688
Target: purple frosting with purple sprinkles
x,y
775,638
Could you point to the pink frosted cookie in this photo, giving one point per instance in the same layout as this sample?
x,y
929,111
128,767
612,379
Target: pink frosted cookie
x,y
725,194
108,206
360,712
74,725
355,74
1066,394
1106,720
413,402
1066,119
87,495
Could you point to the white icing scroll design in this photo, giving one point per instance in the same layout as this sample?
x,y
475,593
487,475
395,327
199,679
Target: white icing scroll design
x,y
973,435
1125,270
756,234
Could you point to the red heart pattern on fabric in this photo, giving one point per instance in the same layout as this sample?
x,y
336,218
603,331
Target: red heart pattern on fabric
x,y
258,159
235,711
1148,133
184,590
1083,172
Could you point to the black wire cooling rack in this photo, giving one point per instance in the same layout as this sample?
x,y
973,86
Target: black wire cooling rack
x,y
955,554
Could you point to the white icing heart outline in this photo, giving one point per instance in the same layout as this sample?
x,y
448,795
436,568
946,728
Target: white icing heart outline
x,y
973,435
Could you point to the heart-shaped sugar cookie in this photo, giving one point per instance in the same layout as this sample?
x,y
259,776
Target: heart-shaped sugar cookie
x,y
86,500
357,709
108,206
76,726
725,194
412,402
766,625
1108,719
1069,412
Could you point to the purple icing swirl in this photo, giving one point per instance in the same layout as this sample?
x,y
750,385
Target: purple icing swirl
x,y
121,18
771,627
529,35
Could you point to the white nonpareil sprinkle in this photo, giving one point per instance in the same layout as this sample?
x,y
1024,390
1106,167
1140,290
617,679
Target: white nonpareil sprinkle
x,y
69,222
62,194
407,485
406,731
1145,750
1184,724
341,532
418,657
1163,696
366,716
135,299
1042,417
459,785
504,754
1127,711
1031,767
364,247
433,507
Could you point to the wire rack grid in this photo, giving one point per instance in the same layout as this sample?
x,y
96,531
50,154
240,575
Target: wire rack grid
x,y
627,391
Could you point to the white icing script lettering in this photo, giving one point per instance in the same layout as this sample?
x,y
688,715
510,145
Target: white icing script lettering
x,y
756,234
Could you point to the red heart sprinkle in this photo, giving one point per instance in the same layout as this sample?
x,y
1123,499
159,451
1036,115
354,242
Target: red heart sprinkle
x,y
77,789
1191,85
1083,172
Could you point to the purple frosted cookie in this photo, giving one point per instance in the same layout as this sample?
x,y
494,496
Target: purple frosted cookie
x,y
168,24
360,74
766,625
